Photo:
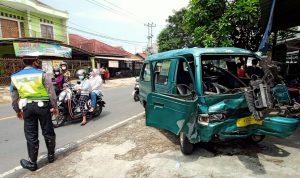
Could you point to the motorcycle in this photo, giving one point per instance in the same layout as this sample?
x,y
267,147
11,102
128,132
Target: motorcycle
x,y
68,106
136,91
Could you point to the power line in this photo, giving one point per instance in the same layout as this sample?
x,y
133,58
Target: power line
x,y
115,11
83,31
124,10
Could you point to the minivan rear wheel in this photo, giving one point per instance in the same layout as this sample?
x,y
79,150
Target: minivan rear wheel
x,y
186,146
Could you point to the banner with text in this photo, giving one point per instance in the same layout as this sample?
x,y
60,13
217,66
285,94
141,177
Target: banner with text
x,y
41,49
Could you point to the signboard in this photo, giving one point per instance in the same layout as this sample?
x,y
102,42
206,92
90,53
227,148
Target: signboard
x,y
113,64
55,63
41,49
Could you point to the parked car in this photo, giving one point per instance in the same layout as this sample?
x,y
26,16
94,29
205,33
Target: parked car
x,y
193,93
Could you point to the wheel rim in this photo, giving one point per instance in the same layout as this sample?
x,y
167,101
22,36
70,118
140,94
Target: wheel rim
x,y
256,138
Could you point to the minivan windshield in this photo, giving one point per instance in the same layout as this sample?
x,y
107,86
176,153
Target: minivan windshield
x,y
224,73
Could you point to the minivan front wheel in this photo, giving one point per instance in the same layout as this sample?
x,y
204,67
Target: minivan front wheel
x,y
255,138
186,146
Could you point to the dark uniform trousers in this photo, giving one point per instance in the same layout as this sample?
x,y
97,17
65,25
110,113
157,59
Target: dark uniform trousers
x,y
32,114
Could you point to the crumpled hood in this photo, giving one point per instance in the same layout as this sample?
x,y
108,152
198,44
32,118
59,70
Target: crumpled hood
x,y
221,103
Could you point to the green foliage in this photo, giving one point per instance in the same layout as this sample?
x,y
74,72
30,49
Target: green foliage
x,y
214,23
174,36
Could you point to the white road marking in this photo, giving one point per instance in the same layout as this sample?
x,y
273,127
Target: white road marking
x,y
78,142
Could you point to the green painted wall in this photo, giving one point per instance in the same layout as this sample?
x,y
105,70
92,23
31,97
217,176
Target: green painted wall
x,y
59,29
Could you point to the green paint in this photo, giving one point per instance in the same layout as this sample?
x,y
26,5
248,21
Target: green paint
x,y
181,113
59,22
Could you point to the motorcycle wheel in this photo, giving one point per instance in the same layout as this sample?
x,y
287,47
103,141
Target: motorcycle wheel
x,y
136,97
98,110
59,120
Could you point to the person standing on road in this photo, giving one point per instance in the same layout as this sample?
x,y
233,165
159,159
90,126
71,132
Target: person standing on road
x,y
33,99
84,89
102,73
96,83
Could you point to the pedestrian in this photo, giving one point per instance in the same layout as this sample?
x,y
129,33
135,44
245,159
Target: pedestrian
x,y
240,70
102,73
33,99
84,89
96,83
254,70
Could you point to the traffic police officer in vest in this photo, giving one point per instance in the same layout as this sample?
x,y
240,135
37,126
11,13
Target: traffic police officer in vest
x,y
33,99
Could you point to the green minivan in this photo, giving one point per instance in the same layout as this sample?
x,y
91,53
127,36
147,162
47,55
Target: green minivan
x,y
196,93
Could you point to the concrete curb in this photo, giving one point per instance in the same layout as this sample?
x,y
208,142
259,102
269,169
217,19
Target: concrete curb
x,y
68,148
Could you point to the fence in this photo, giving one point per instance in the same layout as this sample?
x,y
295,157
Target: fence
x,y
8,66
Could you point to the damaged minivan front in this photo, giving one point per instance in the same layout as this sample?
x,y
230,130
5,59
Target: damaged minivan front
x,y
201,95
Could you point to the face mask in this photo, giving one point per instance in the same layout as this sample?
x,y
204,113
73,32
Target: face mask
x,y
56,73
63,68
81,77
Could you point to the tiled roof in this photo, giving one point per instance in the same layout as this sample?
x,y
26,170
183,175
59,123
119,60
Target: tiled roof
x,y
142,55
96,47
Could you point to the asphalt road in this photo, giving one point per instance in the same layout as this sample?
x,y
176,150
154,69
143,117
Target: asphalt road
x,y
120,106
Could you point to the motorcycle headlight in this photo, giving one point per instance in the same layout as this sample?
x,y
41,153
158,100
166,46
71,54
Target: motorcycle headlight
x,y
62,96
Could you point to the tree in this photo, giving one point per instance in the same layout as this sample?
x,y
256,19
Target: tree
x,y
214,23
174,36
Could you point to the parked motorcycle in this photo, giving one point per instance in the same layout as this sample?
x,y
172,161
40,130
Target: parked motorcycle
x,y
136,91
68,106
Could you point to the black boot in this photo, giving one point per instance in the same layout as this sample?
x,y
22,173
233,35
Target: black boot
x,y
32,153
32,166
50,143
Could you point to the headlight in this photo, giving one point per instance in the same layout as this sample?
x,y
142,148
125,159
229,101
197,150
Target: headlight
x,y
204,119
62,96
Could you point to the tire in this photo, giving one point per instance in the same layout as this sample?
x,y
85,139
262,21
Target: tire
x,y
136,97
186,146
59,120
254,139
98,110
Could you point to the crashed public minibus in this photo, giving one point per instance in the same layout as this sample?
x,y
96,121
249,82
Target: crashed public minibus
x,y
196,94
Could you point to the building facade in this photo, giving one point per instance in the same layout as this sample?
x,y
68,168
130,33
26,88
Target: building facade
x,y
32,19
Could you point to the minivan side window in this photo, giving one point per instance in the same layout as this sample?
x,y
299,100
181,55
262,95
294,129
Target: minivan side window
x,y
146,73
162,69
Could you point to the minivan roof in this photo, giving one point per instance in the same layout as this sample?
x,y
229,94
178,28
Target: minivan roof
x,y
198,52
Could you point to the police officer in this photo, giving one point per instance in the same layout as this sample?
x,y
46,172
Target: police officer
x,y
33,99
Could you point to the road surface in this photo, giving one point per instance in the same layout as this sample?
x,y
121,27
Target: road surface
x,y
120,106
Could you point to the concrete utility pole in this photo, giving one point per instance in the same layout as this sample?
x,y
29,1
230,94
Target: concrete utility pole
x,y
150,35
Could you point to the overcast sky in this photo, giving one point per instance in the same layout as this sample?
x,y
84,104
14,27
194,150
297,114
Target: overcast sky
x,y
122,19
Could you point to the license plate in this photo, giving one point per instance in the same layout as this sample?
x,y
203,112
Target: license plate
x,y
245,121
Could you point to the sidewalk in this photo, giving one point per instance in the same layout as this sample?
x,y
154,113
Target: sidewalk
x,y
134,150
5,95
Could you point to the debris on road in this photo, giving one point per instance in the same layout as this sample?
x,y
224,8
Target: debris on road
x,y
135,150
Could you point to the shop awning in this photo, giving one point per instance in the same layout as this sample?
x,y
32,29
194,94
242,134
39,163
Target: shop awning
x,y
119,58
